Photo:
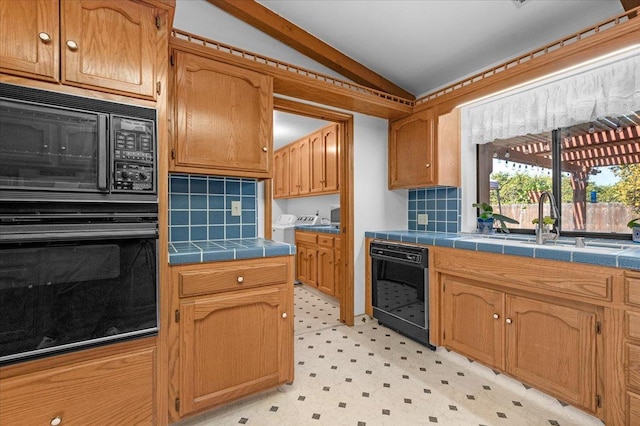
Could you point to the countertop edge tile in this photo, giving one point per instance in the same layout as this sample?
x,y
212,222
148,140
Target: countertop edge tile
x,y
224,250
627,258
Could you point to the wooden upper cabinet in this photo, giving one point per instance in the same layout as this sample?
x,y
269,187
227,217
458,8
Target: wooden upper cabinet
x,y
223,118
314,163
324,160
299,173
281,173
304,167
294,169
411,151
424,150
29,30
95,44
109,44
317,162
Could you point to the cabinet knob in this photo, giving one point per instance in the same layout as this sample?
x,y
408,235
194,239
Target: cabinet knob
x,y
44,37
496,316
284,315
240,279
265,149
72,45
428,165
508,320
56,421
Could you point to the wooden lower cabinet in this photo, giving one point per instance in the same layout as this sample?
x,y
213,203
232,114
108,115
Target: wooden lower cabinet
x,y
471,317
110,390
553,348
234,344
232,334
326,270
543,344
318,255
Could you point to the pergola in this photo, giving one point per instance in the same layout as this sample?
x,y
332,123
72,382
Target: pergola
x,y
609,141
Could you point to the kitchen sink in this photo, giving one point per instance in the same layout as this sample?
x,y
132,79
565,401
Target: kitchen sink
x,y
562,244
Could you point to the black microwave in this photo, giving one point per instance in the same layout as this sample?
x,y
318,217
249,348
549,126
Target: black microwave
x,y
56,147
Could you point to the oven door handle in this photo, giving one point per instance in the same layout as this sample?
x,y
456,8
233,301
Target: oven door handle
x,y
74,235
103,163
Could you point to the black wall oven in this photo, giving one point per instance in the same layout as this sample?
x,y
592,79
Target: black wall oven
x,y
78,223
400,288
66,287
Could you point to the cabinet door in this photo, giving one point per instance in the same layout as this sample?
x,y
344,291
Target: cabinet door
x,y
312,267
114,390
305,167
294,169
553,348
326,271
337,284
281,174
472,319
223,118
411,151
317,162
301,263
30,38
109,45
331,159
234,344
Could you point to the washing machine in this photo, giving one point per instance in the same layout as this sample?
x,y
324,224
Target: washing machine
x,y
283,229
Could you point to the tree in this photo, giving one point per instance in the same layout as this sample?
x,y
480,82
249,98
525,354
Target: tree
x,y
627,189
517,188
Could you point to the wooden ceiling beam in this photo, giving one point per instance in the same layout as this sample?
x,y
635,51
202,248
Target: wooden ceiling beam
x,y
629,4
295,37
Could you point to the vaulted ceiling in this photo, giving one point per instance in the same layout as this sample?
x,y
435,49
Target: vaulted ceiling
x,y
410,48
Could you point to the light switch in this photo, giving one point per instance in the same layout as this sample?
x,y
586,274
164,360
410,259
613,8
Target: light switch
x,y
423,219
236,210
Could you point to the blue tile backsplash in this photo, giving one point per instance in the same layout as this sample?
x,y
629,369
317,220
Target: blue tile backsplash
x,y
441,204
200,208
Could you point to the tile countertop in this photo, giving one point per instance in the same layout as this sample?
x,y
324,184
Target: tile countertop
x,y
616,253
218,250
327,229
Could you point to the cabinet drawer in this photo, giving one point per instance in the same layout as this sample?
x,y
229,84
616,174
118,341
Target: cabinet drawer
x,y
116,390
325,241
540,274
632,289
305,237
231,277
632,324
632,361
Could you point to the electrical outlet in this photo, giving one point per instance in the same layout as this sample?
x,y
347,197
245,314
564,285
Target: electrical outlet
x,y
423,219
236,210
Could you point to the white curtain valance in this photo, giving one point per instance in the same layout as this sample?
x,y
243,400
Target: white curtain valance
x,y
612,89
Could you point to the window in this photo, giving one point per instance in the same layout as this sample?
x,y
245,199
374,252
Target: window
x,y
593,170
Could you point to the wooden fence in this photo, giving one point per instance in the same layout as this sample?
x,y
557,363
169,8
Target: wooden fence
x,y
600,217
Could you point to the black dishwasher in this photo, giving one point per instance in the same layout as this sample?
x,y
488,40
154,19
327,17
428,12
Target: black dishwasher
x,y
400,288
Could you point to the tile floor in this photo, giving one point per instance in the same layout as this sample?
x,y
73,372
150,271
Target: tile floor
x,y
368,375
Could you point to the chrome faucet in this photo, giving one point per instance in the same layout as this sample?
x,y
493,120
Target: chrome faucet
x,y
542,236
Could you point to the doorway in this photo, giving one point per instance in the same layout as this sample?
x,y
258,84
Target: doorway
x,y
345,195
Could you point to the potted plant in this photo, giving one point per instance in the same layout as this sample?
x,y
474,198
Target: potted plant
x,y
486,217
547,221
634,224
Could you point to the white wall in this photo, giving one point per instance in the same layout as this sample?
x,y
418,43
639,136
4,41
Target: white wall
x,y
375,207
